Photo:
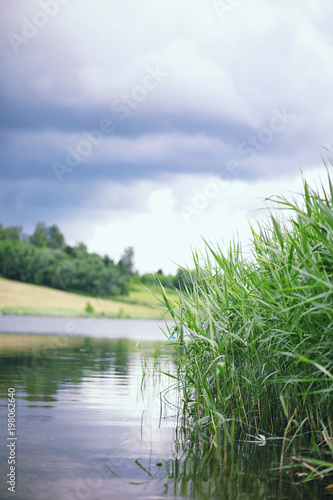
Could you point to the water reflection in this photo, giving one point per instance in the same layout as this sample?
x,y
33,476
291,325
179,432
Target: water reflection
x,y
86,431
42,369
84,428
243,472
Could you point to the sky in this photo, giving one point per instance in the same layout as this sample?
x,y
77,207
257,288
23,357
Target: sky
x,y
159,125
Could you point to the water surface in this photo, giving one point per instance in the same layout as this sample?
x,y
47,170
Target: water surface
x,y
86,327
86,430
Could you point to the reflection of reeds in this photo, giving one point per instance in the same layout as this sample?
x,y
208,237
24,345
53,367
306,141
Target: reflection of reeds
x,y
255,336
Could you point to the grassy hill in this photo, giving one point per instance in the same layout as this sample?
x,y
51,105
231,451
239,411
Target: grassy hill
x,y
23,298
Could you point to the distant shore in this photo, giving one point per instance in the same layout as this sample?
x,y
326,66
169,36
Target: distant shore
x,y
18,298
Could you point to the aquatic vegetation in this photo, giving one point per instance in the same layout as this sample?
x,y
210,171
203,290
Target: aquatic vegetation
x,y
254,334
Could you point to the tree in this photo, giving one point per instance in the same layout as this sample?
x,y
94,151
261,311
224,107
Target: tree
x,y
11,233
107,261
17,261
47,236
126,261
39,238
55,238
46,260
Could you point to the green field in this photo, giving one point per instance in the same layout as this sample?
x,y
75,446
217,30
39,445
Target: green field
x,y
23,298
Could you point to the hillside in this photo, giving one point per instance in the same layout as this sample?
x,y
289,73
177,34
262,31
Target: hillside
x,y
23,298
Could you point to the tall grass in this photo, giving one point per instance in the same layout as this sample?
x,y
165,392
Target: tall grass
x,y
255,334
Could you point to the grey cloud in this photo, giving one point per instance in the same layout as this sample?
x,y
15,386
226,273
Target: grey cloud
x,y
225,82
52,203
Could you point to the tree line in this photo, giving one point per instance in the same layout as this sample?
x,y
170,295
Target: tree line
x,y
44,258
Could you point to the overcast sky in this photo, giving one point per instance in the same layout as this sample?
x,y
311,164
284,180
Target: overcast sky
x,y
156,124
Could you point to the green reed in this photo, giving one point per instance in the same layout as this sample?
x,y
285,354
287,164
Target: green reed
x,y
255,333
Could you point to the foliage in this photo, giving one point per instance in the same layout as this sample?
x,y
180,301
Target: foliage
x,y
47,236
11,233
184,279
255,335
89,308
126,262
150,279
46,260
181,281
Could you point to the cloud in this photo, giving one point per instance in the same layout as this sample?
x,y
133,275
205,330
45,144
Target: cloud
x,y
190,89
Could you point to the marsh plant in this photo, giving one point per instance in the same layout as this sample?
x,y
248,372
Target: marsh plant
x,y
255,335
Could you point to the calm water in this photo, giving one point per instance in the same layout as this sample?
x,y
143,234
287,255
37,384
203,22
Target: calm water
x,y
84,327
86,430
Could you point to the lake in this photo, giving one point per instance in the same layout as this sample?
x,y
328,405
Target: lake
x,y
91,422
